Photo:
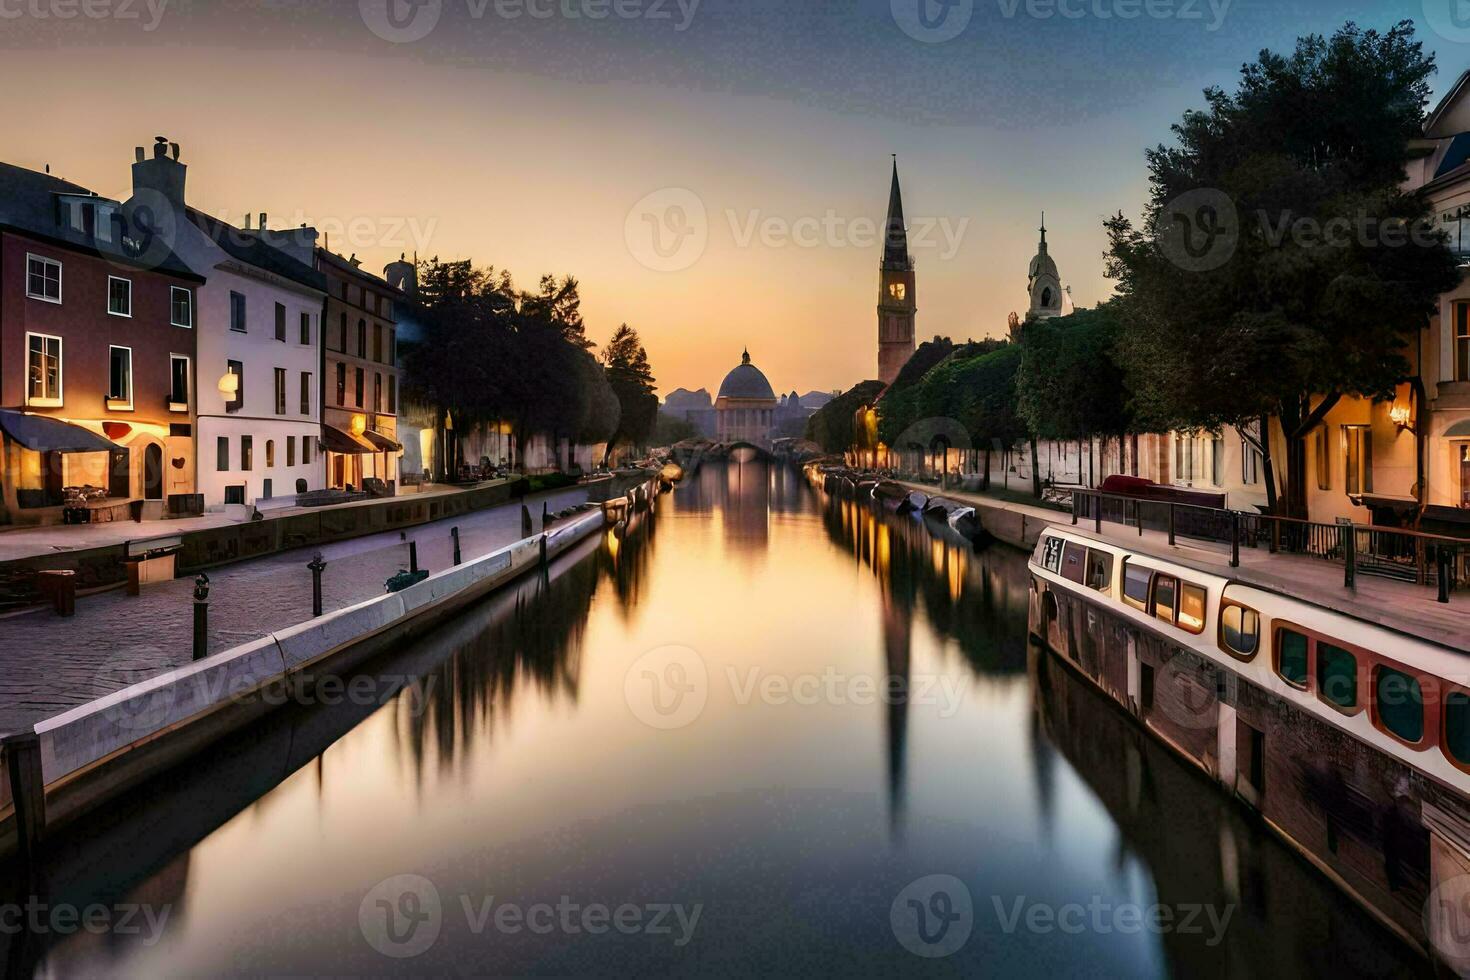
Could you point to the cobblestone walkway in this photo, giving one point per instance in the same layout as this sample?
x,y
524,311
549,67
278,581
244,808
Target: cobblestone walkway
x,y
49,664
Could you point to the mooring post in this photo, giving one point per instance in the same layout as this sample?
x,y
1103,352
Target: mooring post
x,y
1097,514
1171,525
201,617
543,550
1075,500
317,566
526,529
413,556
28,789
1349,555
1234,539
1442,556
545,515
454,534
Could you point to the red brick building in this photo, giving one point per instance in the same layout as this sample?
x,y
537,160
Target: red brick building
x,y
97,351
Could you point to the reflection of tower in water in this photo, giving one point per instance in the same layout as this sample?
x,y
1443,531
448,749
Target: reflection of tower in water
x,y
747,504
897,645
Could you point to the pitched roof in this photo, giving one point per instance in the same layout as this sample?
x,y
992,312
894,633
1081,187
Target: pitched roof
x,y
895,236
253,248
33,203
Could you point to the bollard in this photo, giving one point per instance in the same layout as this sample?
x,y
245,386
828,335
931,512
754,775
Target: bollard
x,y
545,515
28,790
201,617
1234,540
1442,558
317,566
543,551
1171,525
454,533
1349,555
526,529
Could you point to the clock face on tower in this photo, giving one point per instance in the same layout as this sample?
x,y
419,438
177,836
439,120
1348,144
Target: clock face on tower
x,y
898,291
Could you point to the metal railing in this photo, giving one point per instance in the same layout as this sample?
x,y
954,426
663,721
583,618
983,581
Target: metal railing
x,y
1423,559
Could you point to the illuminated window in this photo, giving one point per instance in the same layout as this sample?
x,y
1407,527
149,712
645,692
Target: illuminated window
x,y
1165,589
43,369
1135,585
897,290
1324,462
1240,629
120,377
1192,604
1337,675
1291,657
1399,701
1357,454
1462,341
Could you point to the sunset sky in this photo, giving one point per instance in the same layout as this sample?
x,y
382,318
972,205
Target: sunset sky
x,y
529,142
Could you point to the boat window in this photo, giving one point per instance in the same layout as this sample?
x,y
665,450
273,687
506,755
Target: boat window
x,y
1049,553
1291,657
1135,585
1400,703
1192,602
1240,628
1165,587
1457,727
1074,560
1100,571
1337,675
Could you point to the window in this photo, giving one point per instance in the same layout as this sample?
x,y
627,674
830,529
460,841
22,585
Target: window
x,y
1465,474
281,322
1099,567
343,345
1240,630
377,391
1217,460
1357,453
378,342
1324,464
1337,675
393,410
247,453
1166,588
1193,602
291,450
178,382
306,329
1462,341
1399,703
305,392
341,383
305,450
237,312
1456,739
1135,585
43,279
393,347
270,453
238,402
120,377
43,370
1291,657
222,454
358,387
1250,463
362,338
119,296
1183,458
180,307
1049,553
280,391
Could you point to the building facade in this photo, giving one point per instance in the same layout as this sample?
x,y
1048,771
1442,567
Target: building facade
x,y
897,299
259,325
97,356
360,395
745,410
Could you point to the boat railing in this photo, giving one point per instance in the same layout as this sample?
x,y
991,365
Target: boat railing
x,y
1429,560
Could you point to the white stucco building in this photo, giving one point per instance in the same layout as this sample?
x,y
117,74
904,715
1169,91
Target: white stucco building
x,y
258,342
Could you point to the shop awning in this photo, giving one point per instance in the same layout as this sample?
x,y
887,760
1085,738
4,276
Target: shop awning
x,y
47,435
382,442
336,440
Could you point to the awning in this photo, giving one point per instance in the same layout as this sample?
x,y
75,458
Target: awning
x,y
384,444
48,435
336,440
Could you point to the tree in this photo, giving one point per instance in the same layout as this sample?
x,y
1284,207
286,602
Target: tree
x,y
832,427
559,302
632,381
1279,266
898,409
671,429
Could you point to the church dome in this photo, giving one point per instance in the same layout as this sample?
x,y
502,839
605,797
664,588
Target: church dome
x,y
1043,265
746,381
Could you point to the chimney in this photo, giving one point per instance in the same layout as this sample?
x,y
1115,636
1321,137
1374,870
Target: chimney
x,y
160,175
262,221
403,276
247,220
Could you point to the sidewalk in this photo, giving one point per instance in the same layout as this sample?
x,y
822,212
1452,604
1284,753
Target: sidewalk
x,y
49,664
28,542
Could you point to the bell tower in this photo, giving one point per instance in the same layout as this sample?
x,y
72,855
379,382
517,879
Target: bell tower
x,y
896,296
1044,283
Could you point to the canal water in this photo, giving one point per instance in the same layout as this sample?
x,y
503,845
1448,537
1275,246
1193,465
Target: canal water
x,y
762,731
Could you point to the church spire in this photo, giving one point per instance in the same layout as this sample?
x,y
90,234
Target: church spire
x,y
896,238
1043,232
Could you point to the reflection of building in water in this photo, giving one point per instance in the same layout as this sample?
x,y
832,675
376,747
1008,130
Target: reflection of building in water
x,y
897,657
747,504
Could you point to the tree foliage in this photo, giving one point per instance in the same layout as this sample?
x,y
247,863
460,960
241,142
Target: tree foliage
x,y
832,426
1069,384
632,381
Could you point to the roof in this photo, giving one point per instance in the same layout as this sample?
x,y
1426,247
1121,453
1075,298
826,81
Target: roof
x,y
35,204
896,237
250,248
746,381
1043,263
346,267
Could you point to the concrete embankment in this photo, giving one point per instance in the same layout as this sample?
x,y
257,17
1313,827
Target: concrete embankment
x,y
98,750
